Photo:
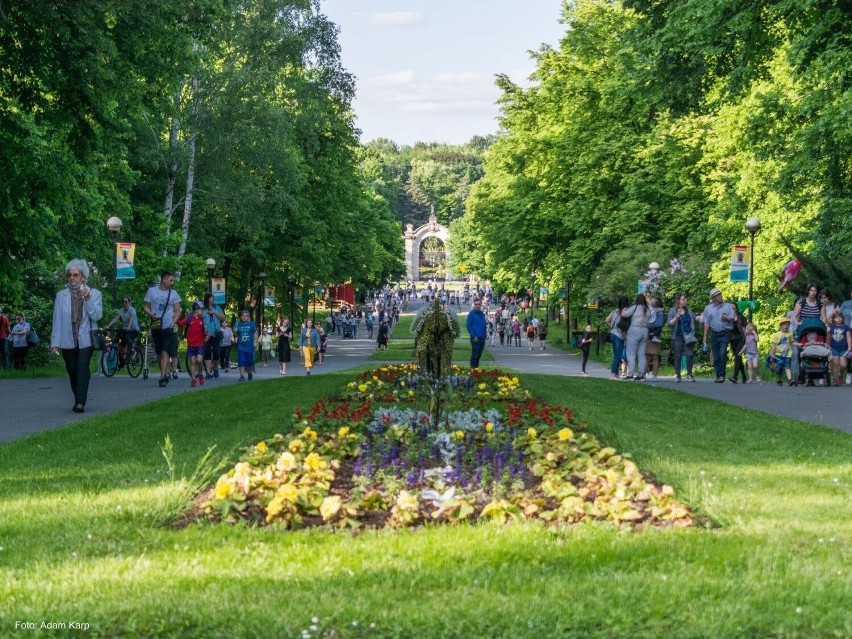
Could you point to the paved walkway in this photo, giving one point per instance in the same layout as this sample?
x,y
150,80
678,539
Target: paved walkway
x,y
34,405
825,406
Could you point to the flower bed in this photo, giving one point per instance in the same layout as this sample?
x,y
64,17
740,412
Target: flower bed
x,y
372,458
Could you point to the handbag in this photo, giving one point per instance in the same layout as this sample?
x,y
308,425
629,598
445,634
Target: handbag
x,y
689,338
98,340
32,337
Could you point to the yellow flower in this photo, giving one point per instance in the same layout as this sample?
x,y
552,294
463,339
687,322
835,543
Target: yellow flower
x,y
223,489
515,381
489,427
532,433
243,469
483,386
330,506
261,447
343,432
313,462
362,388
411,393
402,384
564,434
296,445
457,436
286,462
288,492
406,501
310,434
550,457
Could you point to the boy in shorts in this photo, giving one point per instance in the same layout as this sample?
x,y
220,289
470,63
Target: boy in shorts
x,y
245,333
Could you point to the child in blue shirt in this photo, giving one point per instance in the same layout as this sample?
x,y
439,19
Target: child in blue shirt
x,y
245,332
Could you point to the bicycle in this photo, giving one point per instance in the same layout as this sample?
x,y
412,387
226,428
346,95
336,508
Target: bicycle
x,y
117,355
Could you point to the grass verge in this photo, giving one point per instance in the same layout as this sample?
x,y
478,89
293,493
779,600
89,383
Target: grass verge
x,y
81,512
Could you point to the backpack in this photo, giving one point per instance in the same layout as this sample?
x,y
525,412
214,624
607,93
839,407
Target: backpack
x,y
623,324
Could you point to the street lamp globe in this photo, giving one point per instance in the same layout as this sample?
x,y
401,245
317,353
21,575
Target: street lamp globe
x,y
211,263
752,225
114,225
654,266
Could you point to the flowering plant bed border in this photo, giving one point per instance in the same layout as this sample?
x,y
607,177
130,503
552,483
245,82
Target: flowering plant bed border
x,y
372,458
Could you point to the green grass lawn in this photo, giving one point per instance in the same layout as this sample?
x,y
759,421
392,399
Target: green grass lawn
x,y
83,539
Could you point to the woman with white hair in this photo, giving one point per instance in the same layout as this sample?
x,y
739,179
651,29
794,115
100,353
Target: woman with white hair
x,y
75,314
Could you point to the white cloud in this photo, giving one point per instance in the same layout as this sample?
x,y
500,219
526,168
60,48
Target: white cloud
x,y
396,79
452,106
441,93
461,78
396,18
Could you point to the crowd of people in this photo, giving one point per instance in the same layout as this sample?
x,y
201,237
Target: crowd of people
x,y
635,332
720,328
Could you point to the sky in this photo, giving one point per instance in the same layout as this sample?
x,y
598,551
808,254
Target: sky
x,y
425,68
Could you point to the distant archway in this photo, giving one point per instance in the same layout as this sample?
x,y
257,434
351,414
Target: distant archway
x,y
436,250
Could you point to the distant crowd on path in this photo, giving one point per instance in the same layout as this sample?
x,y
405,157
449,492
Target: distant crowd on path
x,y
815,328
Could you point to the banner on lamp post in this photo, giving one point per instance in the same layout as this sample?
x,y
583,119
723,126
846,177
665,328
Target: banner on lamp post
x,y
542,293
740,263
218,284
269,296
125,252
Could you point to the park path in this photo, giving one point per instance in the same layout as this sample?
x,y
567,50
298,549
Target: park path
x,y
33,405
830,407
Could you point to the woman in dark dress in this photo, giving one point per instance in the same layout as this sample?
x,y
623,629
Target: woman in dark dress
x,y
285,334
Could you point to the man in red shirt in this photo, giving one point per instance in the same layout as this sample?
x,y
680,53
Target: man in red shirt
x,y
196,337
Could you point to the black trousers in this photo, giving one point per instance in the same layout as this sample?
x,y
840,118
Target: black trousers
x,y
739,369
77,363
19,357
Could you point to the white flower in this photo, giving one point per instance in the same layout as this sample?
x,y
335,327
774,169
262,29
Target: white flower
x,y
314,619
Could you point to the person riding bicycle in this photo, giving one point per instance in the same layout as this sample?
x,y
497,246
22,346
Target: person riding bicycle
x,y
129,330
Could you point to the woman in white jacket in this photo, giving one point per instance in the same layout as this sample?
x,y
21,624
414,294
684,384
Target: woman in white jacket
x,y
637,337
75,314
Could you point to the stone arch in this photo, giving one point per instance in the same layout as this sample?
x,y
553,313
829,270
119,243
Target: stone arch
x,y
415,237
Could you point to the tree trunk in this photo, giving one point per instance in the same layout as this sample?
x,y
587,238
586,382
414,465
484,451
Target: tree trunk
x,y
168,205
190,170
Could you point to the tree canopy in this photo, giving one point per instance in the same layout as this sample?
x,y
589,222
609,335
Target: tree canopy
x,y
653,130
212,128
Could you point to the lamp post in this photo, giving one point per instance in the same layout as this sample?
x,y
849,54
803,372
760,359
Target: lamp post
x,y
114,226
211,266
314,309
292,281
260,278
752,225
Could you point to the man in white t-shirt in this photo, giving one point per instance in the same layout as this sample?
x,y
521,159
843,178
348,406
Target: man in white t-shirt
x,y
162,305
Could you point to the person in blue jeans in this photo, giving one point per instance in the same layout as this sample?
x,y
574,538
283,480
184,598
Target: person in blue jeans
x,y
719,319
616,337
245,332
476,327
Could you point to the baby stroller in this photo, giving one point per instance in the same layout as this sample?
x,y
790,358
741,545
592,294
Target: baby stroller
x,y
347,330
814,355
